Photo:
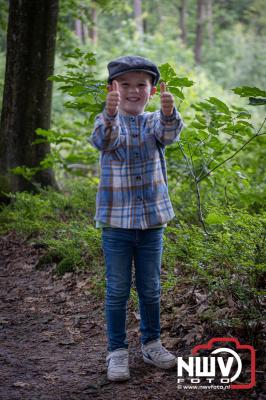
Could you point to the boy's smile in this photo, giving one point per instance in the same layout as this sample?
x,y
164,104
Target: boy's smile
x,y
135,89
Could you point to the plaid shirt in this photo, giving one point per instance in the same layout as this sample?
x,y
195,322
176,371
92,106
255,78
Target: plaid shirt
x,y
133,192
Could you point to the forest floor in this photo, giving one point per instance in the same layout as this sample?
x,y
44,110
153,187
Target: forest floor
x,y
53,344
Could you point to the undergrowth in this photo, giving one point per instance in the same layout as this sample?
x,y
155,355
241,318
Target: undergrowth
x,y
227,267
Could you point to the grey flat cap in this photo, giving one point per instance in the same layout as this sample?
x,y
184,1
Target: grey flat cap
x,y
125,64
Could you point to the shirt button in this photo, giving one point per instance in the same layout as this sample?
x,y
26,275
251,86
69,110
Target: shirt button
x,y
135,135
139,198
136,155
138,178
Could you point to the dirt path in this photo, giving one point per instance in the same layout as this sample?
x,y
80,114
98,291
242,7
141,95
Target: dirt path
x,y
52,342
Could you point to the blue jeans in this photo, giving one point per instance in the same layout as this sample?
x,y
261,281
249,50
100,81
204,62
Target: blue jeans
x,y
121,247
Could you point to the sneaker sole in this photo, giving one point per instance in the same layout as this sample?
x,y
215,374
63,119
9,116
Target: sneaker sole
x,y
162,366
118,378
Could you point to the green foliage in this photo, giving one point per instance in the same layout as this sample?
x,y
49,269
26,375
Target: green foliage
x,y
236,57
246,91
214,136
80,83
230,262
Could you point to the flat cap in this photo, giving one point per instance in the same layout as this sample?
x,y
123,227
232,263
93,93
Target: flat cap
x,y
125,64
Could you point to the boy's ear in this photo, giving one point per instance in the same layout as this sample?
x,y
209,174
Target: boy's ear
x,y
153,90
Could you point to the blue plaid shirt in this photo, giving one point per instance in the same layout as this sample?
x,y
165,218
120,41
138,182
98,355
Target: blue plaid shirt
x,y
133,191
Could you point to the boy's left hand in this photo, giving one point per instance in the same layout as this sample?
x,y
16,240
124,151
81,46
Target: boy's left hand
x,y
167,101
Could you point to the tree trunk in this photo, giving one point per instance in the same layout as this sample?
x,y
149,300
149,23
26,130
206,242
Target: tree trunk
x,y
93,28
138,18
199,30
209,16
182,19
31,39
81,31
78,29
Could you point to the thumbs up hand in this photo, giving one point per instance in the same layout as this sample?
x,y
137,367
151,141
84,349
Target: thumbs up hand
x,y
167,101
113,99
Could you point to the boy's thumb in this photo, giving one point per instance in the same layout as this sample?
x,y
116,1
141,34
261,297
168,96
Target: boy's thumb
x,y
115,86
162,87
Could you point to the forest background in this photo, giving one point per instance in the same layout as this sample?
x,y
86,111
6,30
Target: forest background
x,y
212,56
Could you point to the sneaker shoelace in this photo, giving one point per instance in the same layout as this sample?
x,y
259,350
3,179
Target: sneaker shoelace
x,y
159,351
119,360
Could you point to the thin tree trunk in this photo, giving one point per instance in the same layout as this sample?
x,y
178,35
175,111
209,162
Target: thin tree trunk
x,y
209,17
85,33
182,19
31,39
81,31
93,29
138,17
78,29
199,30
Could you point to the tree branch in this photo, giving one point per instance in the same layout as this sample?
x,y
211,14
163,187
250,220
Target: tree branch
x,y
235,153
193,173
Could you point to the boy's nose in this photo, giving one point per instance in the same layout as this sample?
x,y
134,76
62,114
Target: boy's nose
x,y
134,89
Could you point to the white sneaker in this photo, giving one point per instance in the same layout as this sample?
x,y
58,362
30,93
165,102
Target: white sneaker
x,y
155,354
117,362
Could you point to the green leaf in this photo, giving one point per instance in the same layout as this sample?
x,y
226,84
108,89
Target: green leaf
x,y
244,114
24,171
201,119
176,92
213,131
167,72
247,91
215,143
253,101
220,105
77,53
244,122
202,106
181,82
213,218
71,66
203,135
197,125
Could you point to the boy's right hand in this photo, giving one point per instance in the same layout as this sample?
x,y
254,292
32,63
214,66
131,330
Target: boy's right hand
x,y
113,99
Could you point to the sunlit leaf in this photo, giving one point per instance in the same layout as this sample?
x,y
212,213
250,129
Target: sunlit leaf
x,y
197,125
220,105
247,91
213,218
181,82
176,92
167,72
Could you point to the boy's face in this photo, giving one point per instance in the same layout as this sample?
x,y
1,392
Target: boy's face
x,y
135,90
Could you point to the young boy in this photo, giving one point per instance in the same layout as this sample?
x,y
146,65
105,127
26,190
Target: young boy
x,y
133,205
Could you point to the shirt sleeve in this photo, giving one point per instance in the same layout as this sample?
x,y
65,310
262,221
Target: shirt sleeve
x,y
106,132
167,129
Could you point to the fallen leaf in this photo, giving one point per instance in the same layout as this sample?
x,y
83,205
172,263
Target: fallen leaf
x,y
20,384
